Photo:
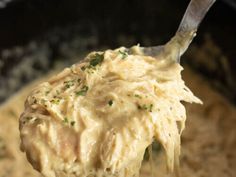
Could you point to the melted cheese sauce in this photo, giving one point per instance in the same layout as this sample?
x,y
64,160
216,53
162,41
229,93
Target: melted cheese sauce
x,y
98,117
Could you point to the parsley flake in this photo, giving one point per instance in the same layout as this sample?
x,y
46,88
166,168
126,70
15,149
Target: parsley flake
x,y
96,59
29,118
65,120
69,84
110,102
35,101
150,107
72,123
137,96
146,107
83,68
123,53
83,91
55,101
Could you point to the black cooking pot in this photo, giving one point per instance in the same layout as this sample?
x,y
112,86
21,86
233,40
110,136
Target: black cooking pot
x,y
36,35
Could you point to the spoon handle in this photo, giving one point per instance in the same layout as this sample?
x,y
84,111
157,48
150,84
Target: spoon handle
x,y
178,44
194,14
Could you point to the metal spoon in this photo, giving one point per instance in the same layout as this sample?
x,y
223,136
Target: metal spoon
x,y
178,44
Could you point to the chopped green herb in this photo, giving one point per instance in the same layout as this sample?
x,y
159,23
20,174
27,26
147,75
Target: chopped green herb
x,y
72,123
146,107
96,59
55,101
141,107
47,92
137,96
57,91
83,91
123,53
65,120
29,118
79,80
110,102
69,84
35,101
150,107
83,68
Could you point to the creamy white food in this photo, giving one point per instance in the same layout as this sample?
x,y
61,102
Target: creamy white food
x,y
97,117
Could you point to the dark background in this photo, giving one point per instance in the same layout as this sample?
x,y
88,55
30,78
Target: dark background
x,y
24,20
41,32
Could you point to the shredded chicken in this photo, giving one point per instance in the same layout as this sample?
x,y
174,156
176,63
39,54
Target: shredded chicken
x,y
97,117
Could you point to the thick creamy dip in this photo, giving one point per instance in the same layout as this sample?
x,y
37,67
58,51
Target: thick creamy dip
x,y
97,117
